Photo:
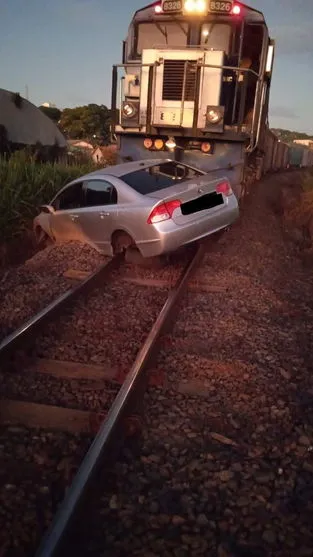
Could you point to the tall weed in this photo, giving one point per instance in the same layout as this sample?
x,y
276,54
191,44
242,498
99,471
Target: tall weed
x,y
26,184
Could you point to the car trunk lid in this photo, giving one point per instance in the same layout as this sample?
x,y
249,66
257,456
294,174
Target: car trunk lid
x,y
196,196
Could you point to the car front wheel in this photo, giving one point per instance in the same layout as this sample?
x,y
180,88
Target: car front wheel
x,y
42,239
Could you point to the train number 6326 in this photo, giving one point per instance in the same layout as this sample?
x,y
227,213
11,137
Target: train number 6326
x,y
220,6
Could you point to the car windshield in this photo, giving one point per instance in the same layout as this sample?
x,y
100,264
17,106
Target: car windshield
x,y
159,176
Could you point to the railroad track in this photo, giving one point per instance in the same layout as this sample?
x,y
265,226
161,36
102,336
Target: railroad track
x,y
117,415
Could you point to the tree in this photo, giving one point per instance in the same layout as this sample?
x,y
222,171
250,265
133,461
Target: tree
x,y
52,112
289,136
90,122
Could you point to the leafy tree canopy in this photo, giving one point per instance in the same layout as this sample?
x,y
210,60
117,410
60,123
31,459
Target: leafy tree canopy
x,y
289,136
91,122
52,112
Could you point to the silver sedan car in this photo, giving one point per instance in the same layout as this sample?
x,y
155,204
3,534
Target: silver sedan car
x,y
155,206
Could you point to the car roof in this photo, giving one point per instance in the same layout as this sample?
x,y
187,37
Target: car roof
x,y
119,170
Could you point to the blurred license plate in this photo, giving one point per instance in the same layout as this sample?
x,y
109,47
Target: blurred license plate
x,y
220,7
172,6
203,203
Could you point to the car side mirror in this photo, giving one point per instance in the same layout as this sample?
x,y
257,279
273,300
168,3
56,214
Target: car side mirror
x,y
47,209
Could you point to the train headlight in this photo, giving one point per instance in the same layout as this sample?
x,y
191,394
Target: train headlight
x,y
170,143
130,113
129,110
236,10
195,6
214,116
214,119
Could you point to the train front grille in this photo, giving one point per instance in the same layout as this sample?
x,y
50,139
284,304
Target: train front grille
x,y
173,80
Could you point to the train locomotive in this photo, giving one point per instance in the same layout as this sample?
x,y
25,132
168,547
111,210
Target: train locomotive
x,y
194,85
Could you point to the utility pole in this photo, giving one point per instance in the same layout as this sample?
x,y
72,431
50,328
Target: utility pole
x,y
26,92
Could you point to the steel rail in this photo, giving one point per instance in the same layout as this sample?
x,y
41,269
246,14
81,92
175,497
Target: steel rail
x,y
20,336
55,542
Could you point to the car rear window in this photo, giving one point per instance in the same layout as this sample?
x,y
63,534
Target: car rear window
x,y
158,177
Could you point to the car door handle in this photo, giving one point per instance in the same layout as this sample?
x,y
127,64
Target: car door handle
x,y
74,217
102,215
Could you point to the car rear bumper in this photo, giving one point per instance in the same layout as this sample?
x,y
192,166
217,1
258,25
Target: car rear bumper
x,y
170,236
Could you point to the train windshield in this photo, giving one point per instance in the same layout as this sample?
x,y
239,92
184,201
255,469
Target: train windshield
x,y
216,36
153,35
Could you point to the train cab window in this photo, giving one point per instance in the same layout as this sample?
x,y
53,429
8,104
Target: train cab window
x,y
252,45
216,36
250,59
152,35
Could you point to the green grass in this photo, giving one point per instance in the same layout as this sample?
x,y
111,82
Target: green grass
x,y
24,185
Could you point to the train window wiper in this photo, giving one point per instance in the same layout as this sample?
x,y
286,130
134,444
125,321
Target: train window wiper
x,y
180,25
163,31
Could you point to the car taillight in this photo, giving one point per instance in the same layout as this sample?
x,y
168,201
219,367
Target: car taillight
x,y
163,212
224,188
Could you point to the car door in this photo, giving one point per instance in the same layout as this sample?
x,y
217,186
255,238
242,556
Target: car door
x,y
99,218
65,219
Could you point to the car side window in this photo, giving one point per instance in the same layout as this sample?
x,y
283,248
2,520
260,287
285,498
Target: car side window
x,y
70,198
99,192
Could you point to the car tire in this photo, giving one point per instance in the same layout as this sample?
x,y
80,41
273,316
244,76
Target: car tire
x,y
42,239
134,257
121,241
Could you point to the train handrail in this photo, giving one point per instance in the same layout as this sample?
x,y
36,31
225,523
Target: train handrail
x,y
254,132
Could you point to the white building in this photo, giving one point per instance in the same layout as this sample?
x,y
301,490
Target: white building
x,y
306,142
48,105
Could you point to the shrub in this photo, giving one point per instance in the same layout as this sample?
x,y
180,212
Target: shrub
x,y
109,154
300,213
308,181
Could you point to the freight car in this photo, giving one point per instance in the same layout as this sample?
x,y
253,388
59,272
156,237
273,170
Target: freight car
x,y
300,156
194,85
276,152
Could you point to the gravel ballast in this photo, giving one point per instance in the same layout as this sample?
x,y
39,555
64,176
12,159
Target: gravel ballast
x,y
28,288
108,328
226,467
36,469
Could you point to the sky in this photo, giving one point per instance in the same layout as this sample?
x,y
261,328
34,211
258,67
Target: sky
x,y
63,50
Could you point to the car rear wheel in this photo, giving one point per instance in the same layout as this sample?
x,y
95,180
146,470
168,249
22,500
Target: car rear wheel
x,y
134,257
121,241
